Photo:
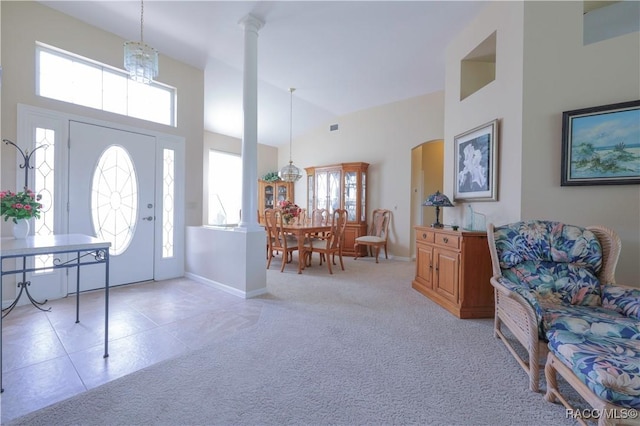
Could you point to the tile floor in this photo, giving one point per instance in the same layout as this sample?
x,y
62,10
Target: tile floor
x,y
47,357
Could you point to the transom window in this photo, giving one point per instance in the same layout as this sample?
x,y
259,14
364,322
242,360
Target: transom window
x,y
71,78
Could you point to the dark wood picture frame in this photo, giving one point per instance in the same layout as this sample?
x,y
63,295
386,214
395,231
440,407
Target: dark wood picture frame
x,y
601,145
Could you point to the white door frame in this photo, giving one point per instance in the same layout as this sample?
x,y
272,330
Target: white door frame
x,y
30,117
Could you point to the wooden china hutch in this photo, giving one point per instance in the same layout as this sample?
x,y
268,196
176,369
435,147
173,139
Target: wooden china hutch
x,y
341,186
271,193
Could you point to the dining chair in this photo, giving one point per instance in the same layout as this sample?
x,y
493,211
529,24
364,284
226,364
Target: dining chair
x,y
377,236
331,244
318,217
302,217
277,239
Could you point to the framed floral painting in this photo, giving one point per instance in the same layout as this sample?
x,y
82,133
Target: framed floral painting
x,y
601,145
476,164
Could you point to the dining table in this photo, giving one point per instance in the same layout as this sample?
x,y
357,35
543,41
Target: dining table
x,y
300,231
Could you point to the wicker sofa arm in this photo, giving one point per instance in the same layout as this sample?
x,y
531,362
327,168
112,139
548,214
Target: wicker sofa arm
x,y
515,309
623,299
508,287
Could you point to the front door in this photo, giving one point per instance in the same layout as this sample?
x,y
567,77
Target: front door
x,y
111,196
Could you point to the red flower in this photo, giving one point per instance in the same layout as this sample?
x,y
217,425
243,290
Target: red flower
x,y
21,205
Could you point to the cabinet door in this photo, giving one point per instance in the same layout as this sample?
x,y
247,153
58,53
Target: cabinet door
x,y
351,195
335,196
425,264
446,273
268,197
322,191
311,193
363,197
283,192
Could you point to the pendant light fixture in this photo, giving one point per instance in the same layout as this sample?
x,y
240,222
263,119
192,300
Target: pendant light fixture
x,y
140,59
290,173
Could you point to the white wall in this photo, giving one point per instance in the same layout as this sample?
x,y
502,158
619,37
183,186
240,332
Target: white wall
x,y
1,81
543,69
561,74
212,255
383,137
25,22
501,99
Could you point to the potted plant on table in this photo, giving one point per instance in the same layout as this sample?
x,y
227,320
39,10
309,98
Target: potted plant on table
x,y
20,207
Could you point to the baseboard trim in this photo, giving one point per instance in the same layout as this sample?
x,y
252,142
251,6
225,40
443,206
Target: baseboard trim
x,y
226,288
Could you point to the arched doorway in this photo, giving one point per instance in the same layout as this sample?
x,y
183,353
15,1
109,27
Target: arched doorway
x,y
427,177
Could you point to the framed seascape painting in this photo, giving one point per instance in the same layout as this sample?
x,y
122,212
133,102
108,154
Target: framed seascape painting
x,y
601,145
476,164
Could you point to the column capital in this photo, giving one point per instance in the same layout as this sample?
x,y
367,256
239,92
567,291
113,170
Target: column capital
x,y
250,22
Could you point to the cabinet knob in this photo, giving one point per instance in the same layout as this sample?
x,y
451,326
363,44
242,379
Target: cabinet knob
x,y
445,239
424,235
430,265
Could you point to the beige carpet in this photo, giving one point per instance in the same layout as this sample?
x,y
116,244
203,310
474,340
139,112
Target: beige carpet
x,y
357,347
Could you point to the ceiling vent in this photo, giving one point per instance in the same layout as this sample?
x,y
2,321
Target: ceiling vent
x,y
333,127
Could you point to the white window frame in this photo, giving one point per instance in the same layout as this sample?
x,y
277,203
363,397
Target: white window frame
x,y
41,47
238,180
55,285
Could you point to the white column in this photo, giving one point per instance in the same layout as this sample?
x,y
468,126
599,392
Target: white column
x,y
249,219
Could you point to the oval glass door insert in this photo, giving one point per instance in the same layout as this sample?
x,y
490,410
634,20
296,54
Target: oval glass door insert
x,y
114,199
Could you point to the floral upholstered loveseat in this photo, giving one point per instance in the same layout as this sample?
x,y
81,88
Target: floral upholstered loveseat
x,y
555,290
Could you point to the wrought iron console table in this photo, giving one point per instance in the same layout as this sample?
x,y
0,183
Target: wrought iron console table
x,y
82,250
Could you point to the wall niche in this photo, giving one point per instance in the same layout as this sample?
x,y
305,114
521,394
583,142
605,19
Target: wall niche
x,y
478,68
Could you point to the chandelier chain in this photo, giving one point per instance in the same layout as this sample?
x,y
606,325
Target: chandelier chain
x,y
141,21
291,124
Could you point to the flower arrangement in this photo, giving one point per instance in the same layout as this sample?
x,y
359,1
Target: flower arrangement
x,y
289,210
21,205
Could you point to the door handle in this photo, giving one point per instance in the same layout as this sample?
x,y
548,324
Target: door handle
x,y
149,218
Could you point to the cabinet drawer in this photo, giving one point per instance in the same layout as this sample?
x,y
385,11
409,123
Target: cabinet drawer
x,y
425,236
446,240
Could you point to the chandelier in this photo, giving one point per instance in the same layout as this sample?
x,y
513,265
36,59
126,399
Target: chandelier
x,y
140,59
290,173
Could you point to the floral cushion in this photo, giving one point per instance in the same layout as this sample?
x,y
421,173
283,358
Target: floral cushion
x,y
589,321
566,282
609,366
551,258
525,292
623,299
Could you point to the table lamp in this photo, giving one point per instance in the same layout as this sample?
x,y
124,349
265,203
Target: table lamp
x,y
438,200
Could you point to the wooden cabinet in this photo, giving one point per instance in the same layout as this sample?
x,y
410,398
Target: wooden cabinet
x,y
271,193
453,269
341,186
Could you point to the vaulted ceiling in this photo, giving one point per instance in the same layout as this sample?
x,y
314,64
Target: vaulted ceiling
x,y
341,56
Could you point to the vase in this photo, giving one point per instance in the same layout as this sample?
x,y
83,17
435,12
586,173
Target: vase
x,y
21,229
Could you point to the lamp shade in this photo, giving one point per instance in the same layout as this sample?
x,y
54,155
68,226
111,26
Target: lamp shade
x,y
437,199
